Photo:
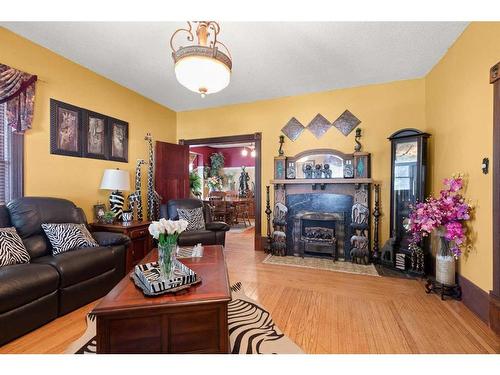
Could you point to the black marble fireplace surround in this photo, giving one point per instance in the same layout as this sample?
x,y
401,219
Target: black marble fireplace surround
x,y
337,207
338,204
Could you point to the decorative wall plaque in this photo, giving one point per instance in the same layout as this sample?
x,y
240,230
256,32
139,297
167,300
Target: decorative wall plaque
x,y
293,129
319,126
361,165
279,167
346,122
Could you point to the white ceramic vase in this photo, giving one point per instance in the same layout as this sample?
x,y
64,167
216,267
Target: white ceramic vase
x,y
445,263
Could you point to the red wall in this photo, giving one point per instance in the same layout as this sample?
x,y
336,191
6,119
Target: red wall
x,y
232,156
204,155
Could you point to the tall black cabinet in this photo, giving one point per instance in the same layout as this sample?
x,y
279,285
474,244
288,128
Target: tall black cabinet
x,y
408,185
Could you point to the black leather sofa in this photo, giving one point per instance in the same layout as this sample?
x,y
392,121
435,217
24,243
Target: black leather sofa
x,y
50,286
214,232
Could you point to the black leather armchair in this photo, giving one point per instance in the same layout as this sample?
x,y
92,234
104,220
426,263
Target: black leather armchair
x,y
49,286
214,232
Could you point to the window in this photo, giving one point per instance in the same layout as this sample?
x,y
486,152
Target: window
x,y
11,161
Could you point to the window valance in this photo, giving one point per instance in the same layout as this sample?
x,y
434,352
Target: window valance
x,y
17,90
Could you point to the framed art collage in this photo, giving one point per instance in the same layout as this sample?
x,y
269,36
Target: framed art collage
x,y
79,132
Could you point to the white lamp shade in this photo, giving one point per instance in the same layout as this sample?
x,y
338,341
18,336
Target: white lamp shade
x,y
202,74
115,179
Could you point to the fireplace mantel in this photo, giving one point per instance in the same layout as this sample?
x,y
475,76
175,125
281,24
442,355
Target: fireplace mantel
x,y
322,181
314,181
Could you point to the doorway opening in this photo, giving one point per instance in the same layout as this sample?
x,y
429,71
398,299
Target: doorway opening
x,y
226,173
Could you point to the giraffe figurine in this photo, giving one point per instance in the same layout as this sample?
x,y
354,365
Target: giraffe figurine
x,y
135,199
154,199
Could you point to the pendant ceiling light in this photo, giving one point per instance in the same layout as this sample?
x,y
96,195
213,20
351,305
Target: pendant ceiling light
x,y
201,67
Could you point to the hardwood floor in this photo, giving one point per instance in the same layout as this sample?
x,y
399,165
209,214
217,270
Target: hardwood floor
x,y
323,311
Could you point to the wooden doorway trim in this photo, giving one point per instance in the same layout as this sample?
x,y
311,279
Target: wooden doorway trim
x,y
256,138
495,293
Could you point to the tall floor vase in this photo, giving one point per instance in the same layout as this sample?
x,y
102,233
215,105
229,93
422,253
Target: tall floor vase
x,y
445,263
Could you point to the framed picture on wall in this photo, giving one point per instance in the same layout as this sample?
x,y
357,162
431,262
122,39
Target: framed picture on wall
x,y
118,140
94,135
65,129
76,131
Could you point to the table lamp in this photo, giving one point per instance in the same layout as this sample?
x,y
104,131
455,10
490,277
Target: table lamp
x,y
116,180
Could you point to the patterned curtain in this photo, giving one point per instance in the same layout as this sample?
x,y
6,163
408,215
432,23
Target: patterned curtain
x,y
17,90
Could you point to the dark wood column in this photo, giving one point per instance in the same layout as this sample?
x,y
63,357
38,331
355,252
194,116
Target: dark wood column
x,y
495,293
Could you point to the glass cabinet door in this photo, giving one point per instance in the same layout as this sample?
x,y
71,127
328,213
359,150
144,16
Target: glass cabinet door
x,y
405,185
408,180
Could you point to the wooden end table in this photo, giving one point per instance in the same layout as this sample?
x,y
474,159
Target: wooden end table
x,y
191,321
141,240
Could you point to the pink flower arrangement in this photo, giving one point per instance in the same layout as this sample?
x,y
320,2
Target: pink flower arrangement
x,y
446,214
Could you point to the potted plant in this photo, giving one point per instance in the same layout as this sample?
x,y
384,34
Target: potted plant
x,y
214,183
446,216
195,184
108,217
166,232
216,163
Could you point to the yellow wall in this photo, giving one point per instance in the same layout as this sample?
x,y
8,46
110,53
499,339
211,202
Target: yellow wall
x,y
73,178
453,103
459,114
383,109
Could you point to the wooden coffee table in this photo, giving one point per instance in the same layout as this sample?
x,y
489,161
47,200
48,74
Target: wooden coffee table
x,y
190,321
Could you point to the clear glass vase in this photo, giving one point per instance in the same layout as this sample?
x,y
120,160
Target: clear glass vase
x,y
166,259
445,262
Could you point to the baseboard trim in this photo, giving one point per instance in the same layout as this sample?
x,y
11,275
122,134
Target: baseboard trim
x,y
476,299
495,313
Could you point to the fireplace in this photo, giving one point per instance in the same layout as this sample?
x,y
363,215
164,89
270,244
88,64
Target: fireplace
x,y
315,233
327,216
312,215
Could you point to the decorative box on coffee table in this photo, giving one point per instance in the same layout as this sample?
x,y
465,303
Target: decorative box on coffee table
x,y
191,321
141,240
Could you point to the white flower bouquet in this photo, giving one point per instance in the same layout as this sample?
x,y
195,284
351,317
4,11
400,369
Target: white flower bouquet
x,y
167,231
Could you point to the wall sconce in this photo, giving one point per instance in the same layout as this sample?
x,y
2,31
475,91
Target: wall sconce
x,y
244,152
485,166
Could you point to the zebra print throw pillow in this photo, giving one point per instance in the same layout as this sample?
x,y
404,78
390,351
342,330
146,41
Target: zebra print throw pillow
x,y
68,236
12,249
194,217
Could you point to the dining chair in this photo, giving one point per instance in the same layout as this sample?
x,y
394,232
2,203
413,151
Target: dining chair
x,y
243,211
222,209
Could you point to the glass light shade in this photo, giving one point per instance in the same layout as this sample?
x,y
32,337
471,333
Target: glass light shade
x,y
115,179
244,152
202,74
253,153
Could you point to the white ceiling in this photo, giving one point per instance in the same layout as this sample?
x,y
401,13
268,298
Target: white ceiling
x,y
270,59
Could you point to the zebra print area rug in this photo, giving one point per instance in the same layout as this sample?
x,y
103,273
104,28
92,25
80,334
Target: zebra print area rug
x,y
251,330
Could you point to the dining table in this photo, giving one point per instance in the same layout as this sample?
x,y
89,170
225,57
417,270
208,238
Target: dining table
x,y
233,202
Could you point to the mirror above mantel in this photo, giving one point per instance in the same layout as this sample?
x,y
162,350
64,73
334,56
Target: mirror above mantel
x,y
322,166
322,181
